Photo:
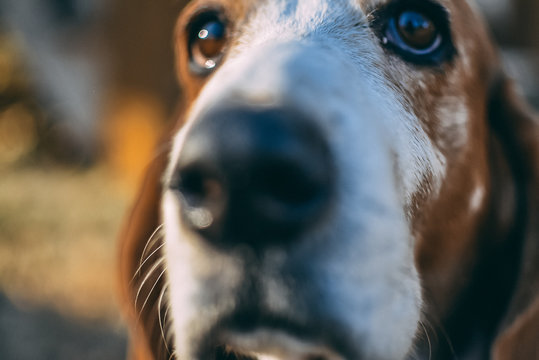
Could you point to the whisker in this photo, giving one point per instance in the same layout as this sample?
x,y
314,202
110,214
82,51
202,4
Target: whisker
x,y
166,314
150,273
437,328
161,321
449,343
168,334
137,272
151,291
172,355
151,240
428,338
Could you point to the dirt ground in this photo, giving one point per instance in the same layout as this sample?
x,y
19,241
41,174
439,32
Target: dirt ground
x,y
58,230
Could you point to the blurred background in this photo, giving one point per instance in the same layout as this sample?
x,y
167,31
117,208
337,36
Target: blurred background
x,y
86,88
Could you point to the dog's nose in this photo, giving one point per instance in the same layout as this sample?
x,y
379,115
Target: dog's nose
x,y
254,176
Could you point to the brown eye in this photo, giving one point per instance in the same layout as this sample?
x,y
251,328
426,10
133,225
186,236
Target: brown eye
x,y
207,40
416,30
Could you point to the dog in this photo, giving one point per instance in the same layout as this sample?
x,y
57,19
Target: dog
x,y
348,179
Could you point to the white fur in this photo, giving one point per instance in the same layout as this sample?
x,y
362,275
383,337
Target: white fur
x,y
453,117
310,55
476,200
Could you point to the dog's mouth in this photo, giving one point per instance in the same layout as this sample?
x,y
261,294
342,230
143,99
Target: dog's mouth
x,y
265,344
274,338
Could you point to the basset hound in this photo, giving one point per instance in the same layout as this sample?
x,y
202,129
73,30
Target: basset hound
x,y
348,179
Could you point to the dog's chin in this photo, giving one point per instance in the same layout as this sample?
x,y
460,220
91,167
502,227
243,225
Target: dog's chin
x,y
271,337
268,344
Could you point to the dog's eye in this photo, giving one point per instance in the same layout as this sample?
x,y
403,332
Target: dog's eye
x,y
414,32
418,31
207,41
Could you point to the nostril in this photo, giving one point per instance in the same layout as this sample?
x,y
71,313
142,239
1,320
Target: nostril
x,y
199,187
202,196
191,185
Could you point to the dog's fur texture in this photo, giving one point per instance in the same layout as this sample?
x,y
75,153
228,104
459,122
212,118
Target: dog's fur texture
x,y
431,246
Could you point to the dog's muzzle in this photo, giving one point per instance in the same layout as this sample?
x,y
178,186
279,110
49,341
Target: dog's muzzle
x,y
252,176
285,236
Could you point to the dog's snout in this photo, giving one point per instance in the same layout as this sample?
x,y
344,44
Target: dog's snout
x,y
254,176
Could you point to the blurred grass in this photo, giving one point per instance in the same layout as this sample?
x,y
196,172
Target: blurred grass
x,y
58,232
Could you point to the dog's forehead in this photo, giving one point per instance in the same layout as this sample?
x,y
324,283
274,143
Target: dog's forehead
x,y
245,7
294,18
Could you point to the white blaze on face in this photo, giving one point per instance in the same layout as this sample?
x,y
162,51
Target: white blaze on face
x,y
314,56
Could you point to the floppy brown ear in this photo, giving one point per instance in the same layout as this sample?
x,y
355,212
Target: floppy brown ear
x,y
517,128
140,274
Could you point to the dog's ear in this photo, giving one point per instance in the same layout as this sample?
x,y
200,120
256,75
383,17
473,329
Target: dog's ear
x,y
516,129
140,274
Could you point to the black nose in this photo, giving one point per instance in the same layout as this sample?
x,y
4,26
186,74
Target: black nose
x,y
254,176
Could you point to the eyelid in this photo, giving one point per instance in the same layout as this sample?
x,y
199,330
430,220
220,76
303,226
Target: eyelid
x,y
381,17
